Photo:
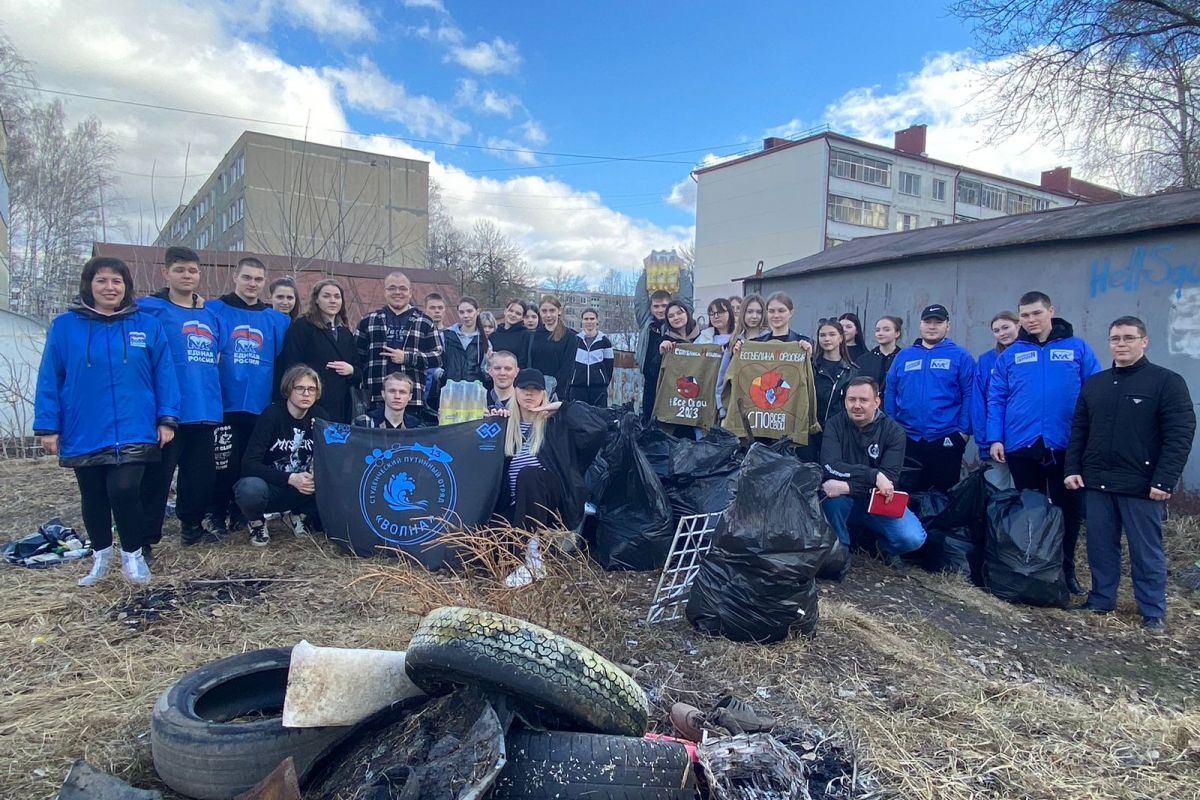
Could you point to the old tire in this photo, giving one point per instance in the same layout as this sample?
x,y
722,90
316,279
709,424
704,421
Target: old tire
x,y
574,686
202,745
567,766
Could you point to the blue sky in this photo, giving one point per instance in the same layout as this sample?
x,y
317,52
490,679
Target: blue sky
x,y
696,80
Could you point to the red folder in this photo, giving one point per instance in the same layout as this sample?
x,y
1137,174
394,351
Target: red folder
x,y
893,508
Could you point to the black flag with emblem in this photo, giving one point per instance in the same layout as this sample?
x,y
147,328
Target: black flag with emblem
x,y
399,490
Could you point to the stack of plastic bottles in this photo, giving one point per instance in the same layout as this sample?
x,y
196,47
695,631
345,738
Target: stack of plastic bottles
x,y
462,401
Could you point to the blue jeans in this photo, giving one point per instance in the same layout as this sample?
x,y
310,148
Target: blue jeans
x,y
902,535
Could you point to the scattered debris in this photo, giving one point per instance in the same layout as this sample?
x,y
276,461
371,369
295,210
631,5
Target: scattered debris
x,y
85,782
152,604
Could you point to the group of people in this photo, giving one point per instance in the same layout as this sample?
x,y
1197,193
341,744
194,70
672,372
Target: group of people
x,y
224,392
1044,414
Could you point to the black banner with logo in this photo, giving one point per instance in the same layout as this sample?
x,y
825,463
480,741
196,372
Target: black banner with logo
x,y
400,489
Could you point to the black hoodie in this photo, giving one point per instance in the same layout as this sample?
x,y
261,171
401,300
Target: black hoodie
x,y
857,455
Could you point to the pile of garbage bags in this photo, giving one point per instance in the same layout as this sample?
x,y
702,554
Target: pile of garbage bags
x,y
759,578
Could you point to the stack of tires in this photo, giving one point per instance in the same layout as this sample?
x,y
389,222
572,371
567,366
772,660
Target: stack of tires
x,y
217,731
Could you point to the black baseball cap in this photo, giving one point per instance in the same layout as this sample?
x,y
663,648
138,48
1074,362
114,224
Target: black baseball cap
x,y
530,379
935,311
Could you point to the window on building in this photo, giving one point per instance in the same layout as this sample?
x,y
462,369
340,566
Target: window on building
x,y
906,222
225,220
939,189
237,246
1040,204
832,242
239,167
859,168
857,212
203,238
1018,202
910,184
993,197
237,210
970,192
936,221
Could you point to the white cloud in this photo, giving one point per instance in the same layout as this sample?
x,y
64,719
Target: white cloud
x,y
683,192
511,150
496,56
944,94
434,5
556,224
340,17
367,89
534,134
488,101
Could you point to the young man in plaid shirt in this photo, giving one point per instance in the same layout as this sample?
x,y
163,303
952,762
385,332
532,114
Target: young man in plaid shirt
x,y
397,338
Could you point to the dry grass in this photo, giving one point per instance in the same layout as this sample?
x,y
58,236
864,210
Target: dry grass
x,y
942,691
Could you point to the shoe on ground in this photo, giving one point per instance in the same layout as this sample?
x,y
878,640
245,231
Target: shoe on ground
x,y
191,534
1073,582
1089,607
238,521
1154,625
297,523
895,562
213,529
688,721
135,567
148,553
101,561
258,534
747,718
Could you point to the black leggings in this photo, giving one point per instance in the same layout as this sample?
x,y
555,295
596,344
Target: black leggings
x,y
112,492
539,499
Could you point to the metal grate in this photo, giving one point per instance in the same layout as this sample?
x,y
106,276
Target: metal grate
x,y
693,539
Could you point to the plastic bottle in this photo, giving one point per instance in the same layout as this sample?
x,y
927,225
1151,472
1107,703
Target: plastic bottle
x,y
462,401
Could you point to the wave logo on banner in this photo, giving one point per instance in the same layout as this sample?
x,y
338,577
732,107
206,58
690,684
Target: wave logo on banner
x,y
408,492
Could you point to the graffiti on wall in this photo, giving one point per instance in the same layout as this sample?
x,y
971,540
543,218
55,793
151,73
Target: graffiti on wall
x,y
1146,266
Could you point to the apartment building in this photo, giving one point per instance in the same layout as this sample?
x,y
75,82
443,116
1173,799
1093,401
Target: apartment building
x,y
798,197
302,200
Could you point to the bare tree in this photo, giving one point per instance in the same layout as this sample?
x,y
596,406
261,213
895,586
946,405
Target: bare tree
x,y
19,359
561,279
1114,82
59,179
620,320
496,268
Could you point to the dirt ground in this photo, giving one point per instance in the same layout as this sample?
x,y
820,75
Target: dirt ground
x,y
940,690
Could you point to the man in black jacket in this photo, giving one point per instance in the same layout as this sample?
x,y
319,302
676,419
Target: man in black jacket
x,y
1130,439
862,450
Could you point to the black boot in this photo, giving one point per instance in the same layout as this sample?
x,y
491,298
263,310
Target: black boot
x,y
1072,582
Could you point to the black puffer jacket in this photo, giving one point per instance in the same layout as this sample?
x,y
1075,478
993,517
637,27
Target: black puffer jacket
x,y
1132,430
574,435
830,379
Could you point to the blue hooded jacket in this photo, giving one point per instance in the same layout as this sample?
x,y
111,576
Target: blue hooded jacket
x,y
1034,388
253,338
983,380
931,390
194,336
104,386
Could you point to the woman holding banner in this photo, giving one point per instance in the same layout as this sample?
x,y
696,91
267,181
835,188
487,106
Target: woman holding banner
x,y
720,323
749,326
547,448
680,327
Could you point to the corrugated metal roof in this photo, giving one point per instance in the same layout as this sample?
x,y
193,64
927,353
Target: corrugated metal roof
x,y
1090,221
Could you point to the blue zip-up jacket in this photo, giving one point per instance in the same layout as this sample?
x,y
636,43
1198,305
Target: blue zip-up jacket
x,y
930,390
253,339
194,336
1034,388
105,385
983,380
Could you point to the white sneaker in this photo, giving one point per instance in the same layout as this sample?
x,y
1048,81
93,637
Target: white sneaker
x,y
101,561
135,567
296,523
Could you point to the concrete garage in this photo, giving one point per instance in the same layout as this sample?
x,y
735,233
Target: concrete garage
x,y
1139,256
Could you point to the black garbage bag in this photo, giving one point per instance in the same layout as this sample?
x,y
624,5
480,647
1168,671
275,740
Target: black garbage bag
x,y
961,554
837,563
1024,558
758,577
633,516
966,504
655,444
703,473
927,505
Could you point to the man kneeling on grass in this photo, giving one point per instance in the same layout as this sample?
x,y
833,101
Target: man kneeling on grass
x,y
278,461
863,450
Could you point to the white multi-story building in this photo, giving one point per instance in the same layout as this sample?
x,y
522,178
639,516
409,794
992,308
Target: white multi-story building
x,y
797,197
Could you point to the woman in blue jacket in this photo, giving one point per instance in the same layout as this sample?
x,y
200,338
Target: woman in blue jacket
x,y
107,400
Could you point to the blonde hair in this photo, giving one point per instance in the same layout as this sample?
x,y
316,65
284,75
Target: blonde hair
x,y
513,440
